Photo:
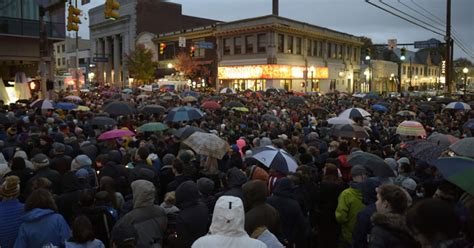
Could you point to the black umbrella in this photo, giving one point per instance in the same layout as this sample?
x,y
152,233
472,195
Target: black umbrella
x,y
374,164
385,104
426,107
296,100
153,109
424,150
103,121
269,117
234,105
319,110
5,120
186,131
119,108
349,131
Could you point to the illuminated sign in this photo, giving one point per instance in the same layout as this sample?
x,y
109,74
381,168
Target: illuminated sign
x,y
443,67
270,72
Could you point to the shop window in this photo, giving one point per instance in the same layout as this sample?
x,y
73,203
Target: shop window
x,y
281,43
290,44
262,43
226,46
238,45
249,43
298,45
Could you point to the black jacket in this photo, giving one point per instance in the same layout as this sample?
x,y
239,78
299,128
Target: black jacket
x,y
390,230
53,176
61,163
235,179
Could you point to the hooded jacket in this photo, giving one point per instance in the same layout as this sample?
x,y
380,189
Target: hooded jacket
x,y
42,227
349,204
258,212
235,179
390,230
227,228
193,218
363,223
148,219
10,216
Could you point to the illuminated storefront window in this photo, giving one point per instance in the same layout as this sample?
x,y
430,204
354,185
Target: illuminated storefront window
x,y
270,72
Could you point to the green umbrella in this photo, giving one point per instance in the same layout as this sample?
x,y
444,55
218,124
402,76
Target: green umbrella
x,y
152,127
457,170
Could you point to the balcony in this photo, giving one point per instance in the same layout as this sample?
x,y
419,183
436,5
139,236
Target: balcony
x,y
16,26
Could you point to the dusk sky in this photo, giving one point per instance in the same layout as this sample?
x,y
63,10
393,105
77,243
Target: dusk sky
x,y
351,16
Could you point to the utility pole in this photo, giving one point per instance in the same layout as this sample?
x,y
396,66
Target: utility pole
x,y
43,50
77,58
449,43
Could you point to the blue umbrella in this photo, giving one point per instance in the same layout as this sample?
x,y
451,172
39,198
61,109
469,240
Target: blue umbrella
x,y
273,158
127,91
184,114
381,108
372,95
469,124
190,93
457,170
65,106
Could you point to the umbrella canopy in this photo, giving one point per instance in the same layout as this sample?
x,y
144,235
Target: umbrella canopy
x,y
359,95
372,95
469,124
103,121
444,140
211,105
270,117
349,131
119,108
320,110
42,104
464,147
352,113
190,99
153,109
214,98
65,106
152,127
187,131
458,106
227,91
411,128
380,108
116,133
426,107
385,104
340,121
5,120
241,109
234,104
127,91
374,164
273,158
296,100
73,98
457,170
207,144
424,150
190,93
184,114
406,113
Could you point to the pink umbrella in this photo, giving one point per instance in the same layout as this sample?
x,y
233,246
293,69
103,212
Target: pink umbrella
x,y
116,133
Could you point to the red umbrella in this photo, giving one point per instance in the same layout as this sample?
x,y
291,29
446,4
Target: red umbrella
x,y
116,133
211,105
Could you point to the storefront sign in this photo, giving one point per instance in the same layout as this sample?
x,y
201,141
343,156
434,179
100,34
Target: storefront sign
x,y
270,72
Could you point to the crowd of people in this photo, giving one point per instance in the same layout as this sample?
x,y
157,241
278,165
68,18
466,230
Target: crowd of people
x,y
63,186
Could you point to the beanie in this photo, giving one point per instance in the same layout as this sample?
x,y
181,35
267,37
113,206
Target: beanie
x,y
168,159
358,170
10,188
205,185
80,161
40,160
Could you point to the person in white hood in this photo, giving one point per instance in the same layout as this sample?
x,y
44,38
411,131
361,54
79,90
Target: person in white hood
x,y
227,228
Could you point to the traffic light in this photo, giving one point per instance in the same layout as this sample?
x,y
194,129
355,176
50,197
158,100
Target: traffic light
x,y
111,9
367,53
162,48
73,20
193,50
403,52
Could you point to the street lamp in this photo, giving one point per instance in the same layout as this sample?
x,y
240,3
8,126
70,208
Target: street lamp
x,y
465,71
367,58
170,65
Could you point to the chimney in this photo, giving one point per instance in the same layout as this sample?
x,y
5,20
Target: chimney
x,y
275,7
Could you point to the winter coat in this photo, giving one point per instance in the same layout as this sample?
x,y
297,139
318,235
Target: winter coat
x,y
363,226
53,176
118,173
390,230
61,163
148,219
294,224
193,218
103,222
327,196
166,176
227,228
258,212
42,227
178,180
68,201
235,179
10,216
348,206
91,244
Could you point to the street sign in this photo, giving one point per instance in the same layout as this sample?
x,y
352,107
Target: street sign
x,y
392,44
204,45
431,43
182,41
100,59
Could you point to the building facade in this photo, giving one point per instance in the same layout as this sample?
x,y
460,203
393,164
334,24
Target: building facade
x,y
60,61
111,41
272,51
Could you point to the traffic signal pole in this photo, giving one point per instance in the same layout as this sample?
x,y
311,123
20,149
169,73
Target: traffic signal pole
x,y
77,58
449,43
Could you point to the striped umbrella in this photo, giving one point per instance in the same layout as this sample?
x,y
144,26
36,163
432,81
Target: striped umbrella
x,y
458,106
184,114
457,170
411,128
352,113
42,104
207,144
274,158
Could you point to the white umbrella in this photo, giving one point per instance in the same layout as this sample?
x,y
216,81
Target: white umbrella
x,y
227,91
340,121
458,106
354,113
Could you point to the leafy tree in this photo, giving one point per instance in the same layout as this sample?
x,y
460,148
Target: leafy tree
x,y
458,65
140,65
190,68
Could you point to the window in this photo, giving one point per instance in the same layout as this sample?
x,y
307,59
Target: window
x,y
298,45
64,61
349,53
404,70
281,43
416,71
249,43
315,48
59,62
355,54
262,43
64,48
290,44
329,45
320,48
339,51
238,45
309,45
226,46
334,51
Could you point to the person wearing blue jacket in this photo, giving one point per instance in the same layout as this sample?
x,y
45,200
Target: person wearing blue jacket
x,y
11,210
42,226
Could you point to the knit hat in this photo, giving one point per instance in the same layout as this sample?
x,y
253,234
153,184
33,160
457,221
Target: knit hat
x,y
205,185
10,188
409,184
40,160
168,159
392,163
59,147
358,170
80,161
403,160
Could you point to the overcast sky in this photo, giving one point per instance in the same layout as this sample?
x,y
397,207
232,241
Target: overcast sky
x,y
351,16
